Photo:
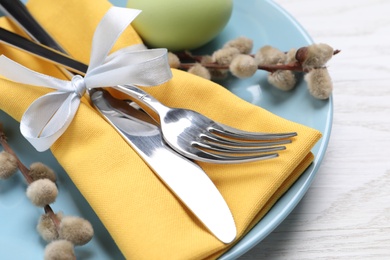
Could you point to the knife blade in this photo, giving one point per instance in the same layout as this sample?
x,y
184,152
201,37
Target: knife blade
x,y
184,178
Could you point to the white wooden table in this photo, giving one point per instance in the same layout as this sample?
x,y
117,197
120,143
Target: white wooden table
x,y
346,212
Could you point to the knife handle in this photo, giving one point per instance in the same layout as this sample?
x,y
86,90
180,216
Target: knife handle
x,y
18,12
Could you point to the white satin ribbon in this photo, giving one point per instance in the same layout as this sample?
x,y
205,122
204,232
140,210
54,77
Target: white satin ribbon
x,y
49,116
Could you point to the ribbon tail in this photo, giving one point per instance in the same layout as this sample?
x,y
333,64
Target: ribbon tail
x,y
48,117
21,74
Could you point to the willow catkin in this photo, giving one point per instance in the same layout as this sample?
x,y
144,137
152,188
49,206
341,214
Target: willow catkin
x,y
319,83
225,56
199,70
315,55
42,192
243,66
8,165
243,44
46,227
268,55
39,170
60,250
282,79
75,229
173,60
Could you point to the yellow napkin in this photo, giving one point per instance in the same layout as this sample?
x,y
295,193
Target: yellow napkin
x,y
143,217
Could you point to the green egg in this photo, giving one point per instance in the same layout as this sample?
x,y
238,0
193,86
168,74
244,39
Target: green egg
x,y
180,24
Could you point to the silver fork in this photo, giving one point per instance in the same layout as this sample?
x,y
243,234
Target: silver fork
x,y
200,138
186,131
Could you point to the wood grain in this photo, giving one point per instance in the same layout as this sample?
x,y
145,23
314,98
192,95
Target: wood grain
x,y
346,212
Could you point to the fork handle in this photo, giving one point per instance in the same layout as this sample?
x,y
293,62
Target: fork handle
x,y
143,97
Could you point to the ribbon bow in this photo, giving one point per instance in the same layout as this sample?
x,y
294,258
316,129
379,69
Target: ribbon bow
x,y
49,116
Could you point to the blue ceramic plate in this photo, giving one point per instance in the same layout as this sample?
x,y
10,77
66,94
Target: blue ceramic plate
x,y
265,23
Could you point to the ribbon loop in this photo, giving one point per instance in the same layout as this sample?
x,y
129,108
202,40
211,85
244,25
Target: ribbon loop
x,y
131,65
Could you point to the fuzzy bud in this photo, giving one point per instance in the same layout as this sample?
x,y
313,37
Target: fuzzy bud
x,y
8,165
225,56
314,56
243,66
46,227
42,192
77,230
282,79
319,83
290,56
41,171
200,70
206,59
173,60
243,44
60,250
268,55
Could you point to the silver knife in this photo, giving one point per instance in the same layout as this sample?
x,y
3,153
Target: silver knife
x,y
183,177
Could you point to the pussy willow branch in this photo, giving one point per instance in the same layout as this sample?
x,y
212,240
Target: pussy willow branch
x,y
186,55
296,66
25,172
